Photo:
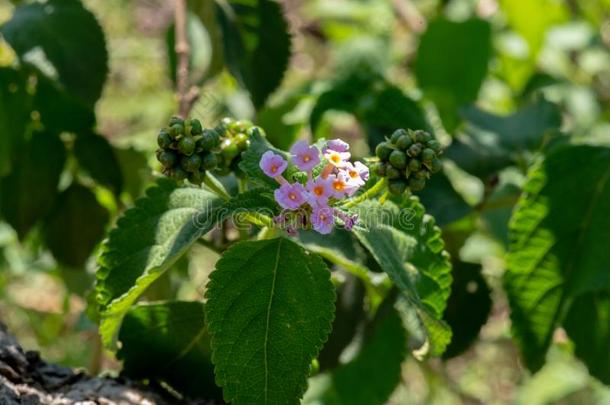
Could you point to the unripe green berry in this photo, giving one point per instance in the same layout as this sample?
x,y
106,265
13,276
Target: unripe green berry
x,y
229,150
404,142
164,140
422,136
190,163
186,145
196,128
242,141
398,159
396,135
380,169
414,165
435,166
422,174
254,130
414,149
397,186
176,130
209,139
209,161
392,172
196,177
434,145
178,173
427,155
175,120
383,151
167,158
416,184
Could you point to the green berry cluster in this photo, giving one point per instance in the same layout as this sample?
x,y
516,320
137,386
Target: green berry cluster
x,y
187,150
235,138
407,159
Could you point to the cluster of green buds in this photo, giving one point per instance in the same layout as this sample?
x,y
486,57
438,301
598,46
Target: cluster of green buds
x,y
235,138
187,150
407,159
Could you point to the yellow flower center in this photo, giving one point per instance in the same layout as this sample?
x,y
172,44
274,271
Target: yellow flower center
x,y
338,185
306,158
274,168
353,174
318,190
292,196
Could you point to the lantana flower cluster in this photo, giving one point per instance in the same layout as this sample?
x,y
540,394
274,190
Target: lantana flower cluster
x,y
331,178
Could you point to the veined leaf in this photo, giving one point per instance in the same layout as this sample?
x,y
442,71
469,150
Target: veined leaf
x,y
256,44
370,378
96,156
558,243
42,27
176,332
408,246
269,310
151,237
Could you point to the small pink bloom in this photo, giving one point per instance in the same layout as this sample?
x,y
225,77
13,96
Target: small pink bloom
x,y
348,220
337,159
320,190
363,170
322,219
273,165
341,185
304,156
353,175
337,145
290,196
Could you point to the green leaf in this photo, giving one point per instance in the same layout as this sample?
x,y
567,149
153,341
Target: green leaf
x,y
256,44
452,63
468,307
588,325
479,153
442,201
558,243
371,377
408,246
135,170
31,188
14,115
59,110
70,39
75,226
282,129
522,130
269,310
96,156
147,241
176,332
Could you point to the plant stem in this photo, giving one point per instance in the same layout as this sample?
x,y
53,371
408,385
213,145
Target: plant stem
x,y
186,96
367,194
216,186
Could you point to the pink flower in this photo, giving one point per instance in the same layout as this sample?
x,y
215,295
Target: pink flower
x,y
348,220
363,170
322,219
353,175
319,191
337,145
273,165
304,156
290,196
337,159
341,186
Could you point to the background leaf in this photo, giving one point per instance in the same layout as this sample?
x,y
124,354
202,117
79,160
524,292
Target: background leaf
x,y
31,188
44,26
175,331
558,247
451,76
257,318
75,226
256,44
97,157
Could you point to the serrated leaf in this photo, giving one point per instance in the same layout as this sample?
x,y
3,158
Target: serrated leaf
x,y
256,44
30,189
71,40
558,243
269,310
588,325
75,226
96,156
14,115
175,331
452,63
152,236
408,246
522,130
468,307
370,378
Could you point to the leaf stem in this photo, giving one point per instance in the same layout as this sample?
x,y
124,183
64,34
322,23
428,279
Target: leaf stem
x,y
216,186
367,194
